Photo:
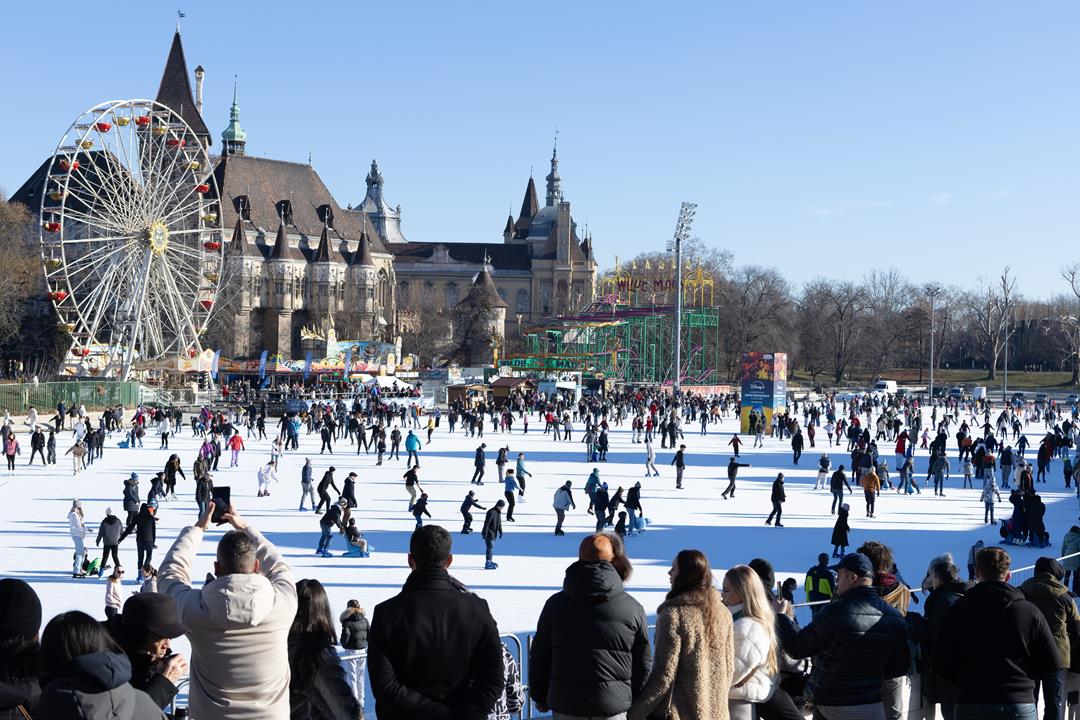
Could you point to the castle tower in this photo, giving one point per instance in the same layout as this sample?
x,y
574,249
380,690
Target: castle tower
x,y
285,270
481,318
233,137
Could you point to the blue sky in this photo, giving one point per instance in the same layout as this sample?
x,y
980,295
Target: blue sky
x,y
823,138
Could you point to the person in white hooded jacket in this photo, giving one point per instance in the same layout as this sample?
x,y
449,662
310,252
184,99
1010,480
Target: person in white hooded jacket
x,y
77,528
756,674
238,623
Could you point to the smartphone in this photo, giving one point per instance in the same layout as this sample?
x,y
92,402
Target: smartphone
x,y
222,500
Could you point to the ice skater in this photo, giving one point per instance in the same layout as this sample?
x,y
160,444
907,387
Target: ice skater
x,y
778,498
732,472
466,507
491,531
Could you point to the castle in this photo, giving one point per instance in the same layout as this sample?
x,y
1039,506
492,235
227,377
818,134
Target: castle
x,y
295,255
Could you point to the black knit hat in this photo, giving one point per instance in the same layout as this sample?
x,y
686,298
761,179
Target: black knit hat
x,y
1049,565
20,609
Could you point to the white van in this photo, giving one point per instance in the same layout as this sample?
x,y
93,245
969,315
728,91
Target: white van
x,y
978,392
885,386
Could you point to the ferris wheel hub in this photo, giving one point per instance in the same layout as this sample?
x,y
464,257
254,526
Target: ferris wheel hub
x,y
157,237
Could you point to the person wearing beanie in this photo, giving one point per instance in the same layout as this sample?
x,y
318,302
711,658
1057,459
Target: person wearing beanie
x,y
1047,591
590,656
20,620
78,530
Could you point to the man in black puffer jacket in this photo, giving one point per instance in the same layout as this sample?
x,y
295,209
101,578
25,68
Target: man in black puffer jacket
x,y
590,656
945,586
433,649
994,645
856,641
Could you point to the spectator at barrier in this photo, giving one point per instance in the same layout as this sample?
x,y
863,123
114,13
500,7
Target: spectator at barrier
x,y
993,645
20,619
756,671
143,631
590,655
856,641
354,640
85,675
1046,590
318,689
512,698
820,583
693,662
433,649
238,622
943,583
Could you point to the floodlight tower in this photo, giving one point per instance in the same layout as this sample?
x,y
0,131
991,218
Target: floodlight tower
x,y
682,232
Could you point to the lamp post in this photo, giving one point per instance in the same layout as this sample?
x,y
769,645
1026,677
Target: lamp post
x,y
682,231
932,291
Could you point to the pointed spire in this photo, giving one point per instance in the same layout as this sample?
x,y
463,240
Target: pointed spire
x,y
233,137
529,205
508,231
282,250
554,182
322,253
239,244
483,292
362,256
175,90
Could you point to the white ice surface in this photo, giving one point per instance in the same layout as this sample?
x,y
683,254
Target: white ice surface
x,y
35,545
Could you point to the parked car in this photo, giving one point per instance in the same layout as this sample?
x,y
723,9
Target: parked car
x,y
1041,399
1073,399
956,393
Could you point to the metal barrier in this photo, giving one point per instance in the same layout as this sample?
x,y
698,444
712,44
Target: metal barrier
x,y
17,397
1020,574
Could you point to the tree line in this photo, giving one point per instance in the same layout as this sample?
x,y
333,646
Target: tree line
x,y
836,329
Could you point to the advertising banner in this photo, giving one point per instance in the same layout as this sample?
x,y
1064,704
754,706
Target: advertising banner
x,y
763,379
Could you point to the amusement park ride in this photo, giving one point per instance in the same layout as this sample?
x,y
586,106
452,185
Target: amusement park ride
x,y
131,241
630,331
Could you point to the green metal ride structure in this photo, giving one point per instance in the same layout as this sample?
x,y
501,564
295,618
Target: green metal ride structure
x,y
632,344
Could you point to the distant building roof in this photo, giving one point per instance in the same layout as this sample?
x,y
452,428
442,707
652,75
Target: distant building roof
x,y
501,256
483,293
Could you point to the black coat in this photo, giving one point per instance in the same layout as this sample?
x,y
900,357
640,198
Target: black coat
x,y
590,655
131,495
935,609
434,652
841,529
855,641
318,689
992,644
492,524
145,527
778,491
18,692
354,629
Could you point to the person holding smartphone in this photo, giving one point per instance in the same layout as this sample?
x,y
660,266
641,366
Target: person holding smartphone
x,y
239,653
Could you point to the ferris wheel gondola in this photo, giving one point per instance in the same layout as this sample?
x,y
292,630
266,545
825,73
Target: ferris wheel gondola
x,y
131,245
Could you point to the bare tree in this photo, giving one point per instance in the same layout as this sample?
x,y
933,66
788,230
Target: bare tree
x,y
886,295
755,312
1068,322
989,312
846,303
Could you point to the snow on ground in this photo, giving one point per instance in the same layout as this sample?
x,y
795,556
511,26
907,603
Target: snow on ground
x,y
34,541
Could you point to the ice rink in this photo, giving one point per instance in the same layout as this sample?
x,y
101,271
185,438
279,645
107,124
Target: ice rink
x,y
35,545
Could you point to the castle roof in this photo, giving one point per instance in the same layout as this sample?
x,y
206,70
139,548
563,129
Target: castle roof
x,y
175,90
483,292
322,253
500,255
239,244
266,183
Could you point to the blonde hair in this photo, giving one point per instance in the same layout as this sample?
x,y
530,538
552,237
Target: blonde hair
x,y
747,584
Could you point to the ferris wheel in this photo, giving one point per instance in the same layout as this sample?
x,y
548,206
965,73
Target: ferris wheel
x,y
130,236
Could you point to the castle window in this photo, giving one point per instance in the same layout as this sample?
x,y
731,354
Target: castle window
x,y
285,211
522,302
403,293
243,207
545,297
451,294
326,215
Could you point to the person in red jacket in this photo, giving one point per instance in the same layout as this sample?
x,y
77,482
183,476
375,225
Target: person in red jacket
x,y
235,444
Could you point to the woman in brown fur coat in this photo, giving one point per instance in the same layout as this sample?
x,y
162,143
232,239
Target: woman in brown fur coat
x,y
694,649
